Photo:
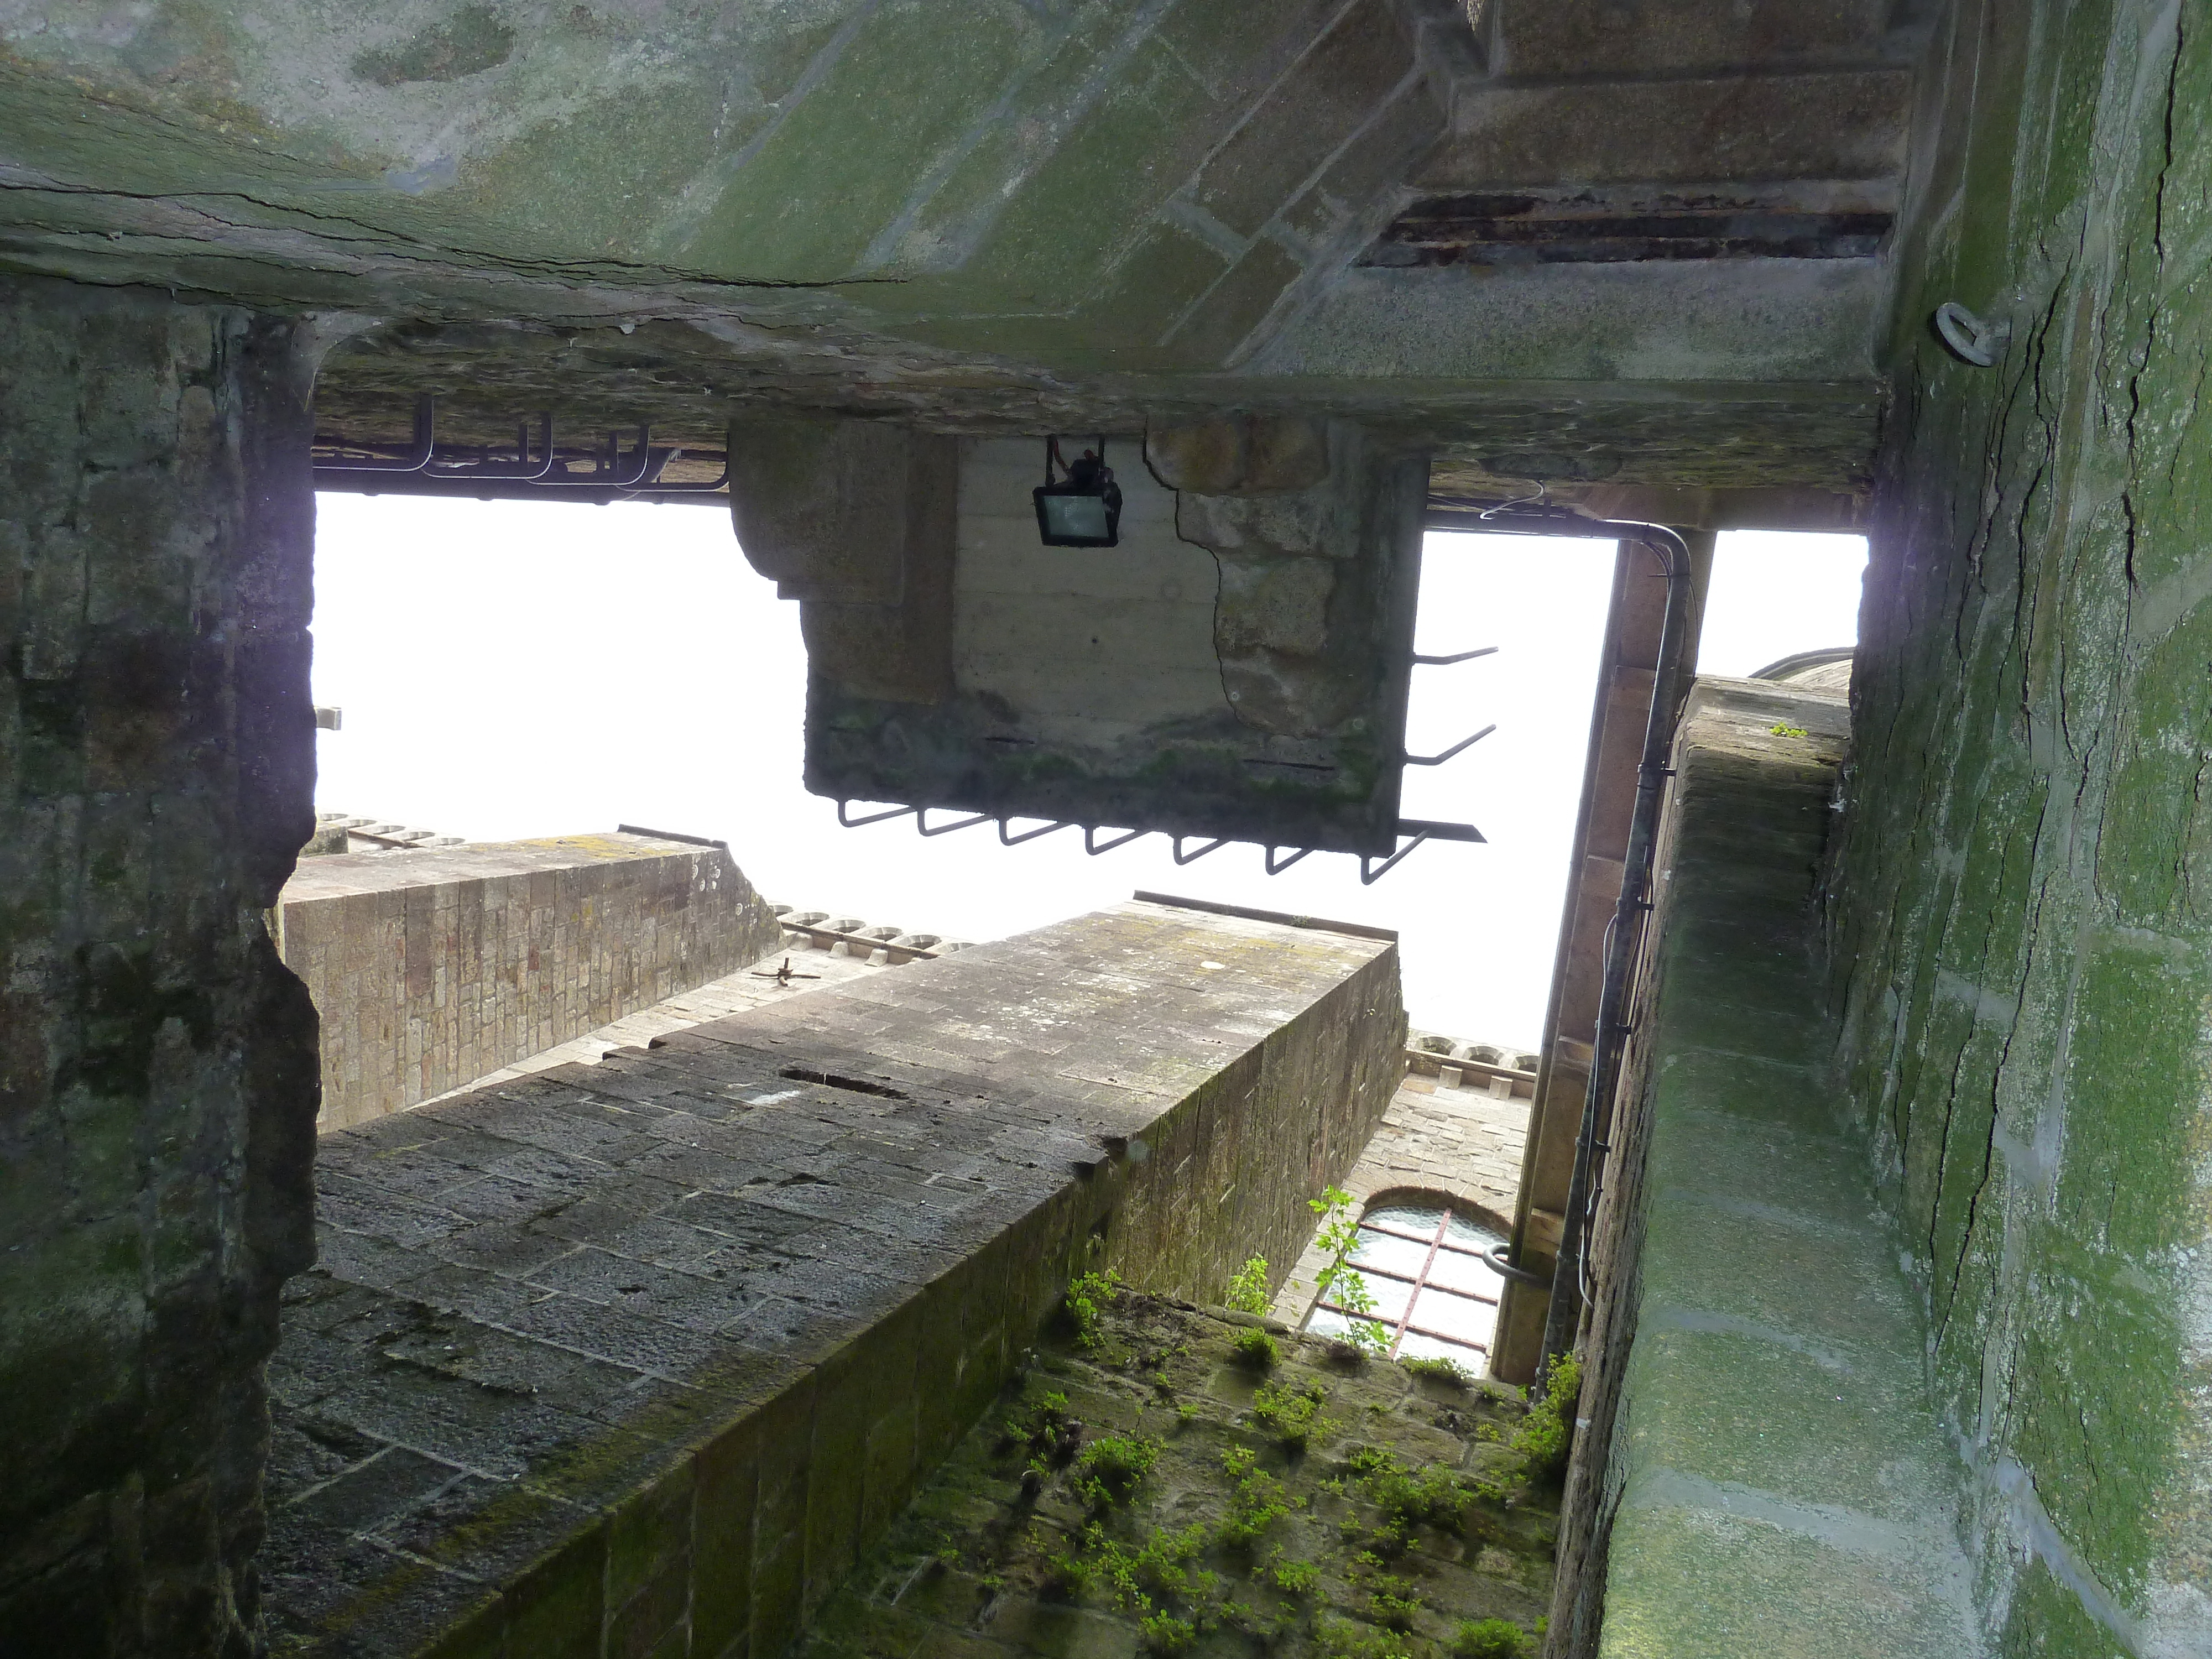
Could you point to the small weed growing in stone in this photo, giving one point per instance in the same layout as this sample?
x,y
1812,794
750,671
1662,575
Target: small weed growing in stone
x,y
1342,1639
1489,1639
1434,1496
1255,1503
1256,1349
1165,1633
1546,1434
1786,732
1292,1415
1111,1467
1088,1294
1341,1282
1186,1413
1395,1602
1247,1287
1298,1578
1446,1371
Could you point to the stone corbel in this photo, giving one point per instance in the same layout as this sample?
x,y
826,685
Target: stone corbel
x,y
856,520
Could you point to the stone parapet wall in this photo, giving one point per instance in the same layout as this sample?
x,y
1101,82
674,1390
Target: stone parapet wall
x,y
439,966
157,1069
1762,1470
636,1357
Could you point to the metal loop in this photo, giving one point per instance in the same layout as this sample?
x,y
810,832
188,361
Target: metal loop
x,y
1091,846
874,818
921,823
426,445
1180,857
1275,869
1370,872
1438,760
1005,840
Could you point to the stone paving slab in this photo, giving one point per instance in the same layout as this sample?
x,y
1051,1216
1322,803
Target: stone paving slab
x,y
769,1264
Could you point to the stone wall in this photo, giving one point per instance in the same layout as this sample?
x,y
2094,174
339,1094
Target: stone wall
x,y
157,1115
2020,912
1761,1470
433,968
637,1356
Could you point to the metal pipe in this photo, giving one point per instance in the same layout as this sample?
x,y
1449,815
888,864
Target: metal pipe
x,y
1625,935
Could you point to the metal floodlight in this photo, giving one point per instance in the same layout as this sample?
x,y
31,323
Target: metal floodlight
x,y
1083,510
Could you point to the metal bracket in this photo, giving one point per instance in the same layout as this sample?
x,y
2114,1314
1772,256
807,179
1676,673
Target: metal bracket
x,y
1370,872
1275,869
1462,656
851,823
1180,857
418,456
1005,840
1091,846
600,479
921,823
1438,760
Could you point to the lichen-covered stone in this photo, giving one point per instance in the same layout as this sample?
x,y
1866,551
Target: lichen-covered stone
x,y
1235,1536
157,1062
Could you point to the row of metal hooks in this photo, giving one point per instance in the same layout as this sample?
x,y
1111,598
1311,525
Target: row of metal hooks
x,y
1371,870
534,465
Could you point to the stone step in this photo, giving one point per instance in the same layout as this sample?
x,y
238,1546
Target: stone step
x,y
1647,37
1824,125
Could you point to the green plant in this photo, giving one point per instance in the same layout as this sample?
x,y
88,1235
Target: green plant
x,y
1247,1287
1088,1295
1395,1602
1165,1633
1298,1578
1489,1639
1446,1371
1292,1415
1545,1435
1341,1639
1255,1503
1107,1470
1787,731
1256,1349
1186,1412
1339,1281
1434,1496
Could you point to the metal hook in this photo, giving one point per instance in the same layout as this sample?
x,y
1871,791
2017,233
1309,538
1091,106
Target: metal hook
x,y
1182,858
1091,846
921,823
1463,656
874,818
599,480
1005,840
1438,760
418,456
1370,872
1275,869
653,486
485,470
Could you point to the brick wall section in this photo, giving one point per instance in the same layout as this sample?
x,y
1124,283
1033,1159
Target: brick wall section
x,y
636,1357
157,1074
433,968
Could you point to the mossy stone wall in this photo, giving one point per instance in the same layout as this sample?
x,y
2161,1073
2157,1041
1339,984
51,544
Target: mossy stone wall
x,y
157,1063
2021,921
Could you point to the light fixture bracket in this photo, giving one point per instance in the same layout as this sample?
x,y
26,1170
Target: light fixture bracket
x,y
1084,508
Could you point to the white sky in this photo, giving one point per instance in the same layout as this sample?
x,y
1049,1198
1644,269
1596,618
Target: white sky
x,y
515,669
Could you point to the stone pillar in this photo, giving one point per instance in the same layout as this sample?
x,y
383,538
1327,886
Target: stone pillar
x,y
158,1077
